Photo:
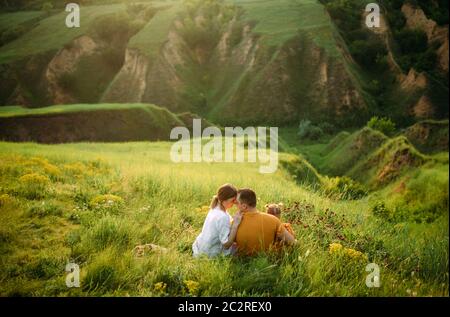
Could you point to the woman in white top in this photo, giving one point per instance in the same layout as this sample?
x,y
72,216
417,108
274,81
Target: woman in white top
x,y
218,232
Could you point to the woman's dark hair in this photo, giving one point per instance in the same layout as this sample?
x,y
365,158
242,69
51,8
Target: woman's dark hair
x,y
224,192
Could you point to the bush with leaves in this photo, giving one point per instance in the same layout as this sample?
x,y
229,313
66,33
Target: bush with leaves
x,y
384,125
306,130
369,52
344,188
327,127
379,209
47,7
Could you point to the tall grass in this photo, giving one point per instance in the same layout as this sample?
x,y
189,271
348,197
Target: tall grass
x,y
77,218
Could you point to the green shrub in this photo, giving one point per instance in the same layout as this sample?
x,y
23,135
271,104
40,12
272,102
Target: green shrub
x,y
368,52
395,16
412,40
101,277
426,61
401,210
344,188
345,13
327,127
379,209
306,130
301,171
435,10
6,200
72,238
172,277
384,125
45,209
47,7
33,186
108,203
45,267
415,51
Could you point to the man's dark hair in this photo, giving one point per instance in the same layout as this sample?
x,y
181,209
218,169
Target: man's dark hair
x,y
247,196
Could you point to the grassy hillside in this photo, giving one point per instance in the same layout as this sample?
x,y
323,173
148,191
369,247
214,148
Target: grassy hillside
x,y
429,136
385,56
154,34
13,19
92,203
280,21
18,111
392,166
276,21
51,33
97,122
344,150
225,61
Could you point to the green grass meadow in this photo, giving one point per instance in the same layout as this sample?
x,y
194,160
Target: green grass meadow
x,y
353,197
92,203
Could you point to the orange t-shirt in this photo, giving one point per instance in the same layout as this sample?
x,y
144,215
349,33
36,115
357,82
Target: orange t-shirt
x,y
257,232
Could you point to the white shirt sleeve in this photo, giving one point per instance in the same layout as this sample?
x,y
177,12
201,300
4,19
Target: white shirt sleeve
x,y
223,228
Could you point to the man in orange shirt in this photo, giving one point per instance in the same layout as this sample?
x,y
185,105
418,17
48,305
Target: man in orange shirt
x,y
258,231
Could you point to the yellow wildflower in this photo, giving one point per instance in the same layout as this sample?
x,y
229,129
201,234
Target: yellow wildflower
x,y
202,209
107,200
76,168
160,287
52,170
97,163
34,179
5,199
37,161
354,254
351,253
335,247
192,287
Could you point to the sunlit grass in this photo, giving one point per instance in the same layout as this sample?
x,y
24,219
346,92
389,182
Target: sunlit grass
x,y
162,203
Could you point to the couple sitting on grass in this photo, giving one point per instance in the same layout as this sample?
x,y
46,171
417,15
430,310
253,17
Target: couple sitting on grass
x,y
247,233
